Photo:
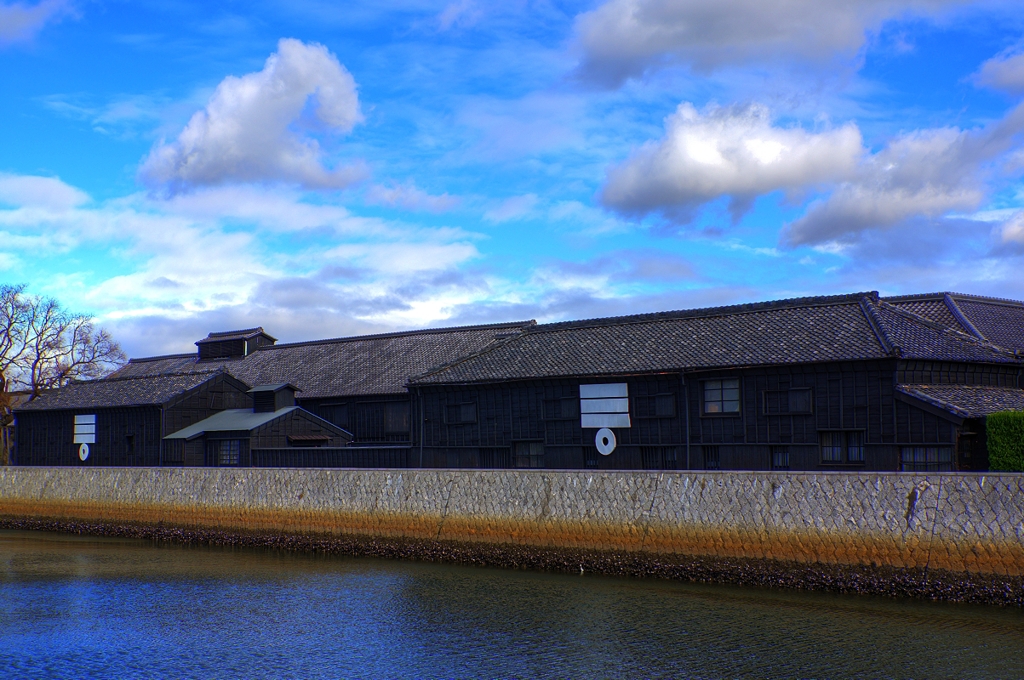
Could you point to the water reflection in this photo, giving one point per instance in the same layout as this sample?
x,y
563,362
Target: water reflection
x,y
76,606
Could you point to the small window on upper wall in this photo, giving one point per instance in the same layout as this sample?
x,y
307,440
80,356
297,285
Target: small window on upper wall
x,y
722,396
561,409
396,417
779,402
665,406
457,414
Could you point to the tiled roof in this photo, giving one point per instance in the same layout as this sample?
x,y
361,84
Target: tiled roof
x,y
371,364
834,328
930,308
967,401
997,320
1000,323
112,392
918,338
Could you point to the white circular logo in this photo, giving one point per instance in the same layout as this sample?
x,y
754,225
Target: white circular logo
x,y
83,452
605,441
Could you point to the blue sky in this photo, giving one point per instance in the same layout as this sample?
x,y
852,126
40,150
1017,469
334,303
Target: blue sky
x,y
326,169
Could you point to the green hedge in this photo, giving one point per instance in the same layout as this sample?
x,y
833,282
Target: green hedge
x,y
1005,441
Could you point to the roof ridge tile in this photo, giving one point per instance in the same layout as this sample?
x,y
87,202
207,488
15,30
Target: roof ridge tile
x,y
708,312
402,334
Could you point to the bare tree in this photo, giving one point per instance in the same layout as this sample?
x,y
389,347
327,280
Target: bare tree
x,y
43,346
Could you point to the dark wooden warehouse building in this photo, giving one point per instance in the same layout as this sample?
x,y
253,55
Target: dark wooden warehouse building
x,y
851,382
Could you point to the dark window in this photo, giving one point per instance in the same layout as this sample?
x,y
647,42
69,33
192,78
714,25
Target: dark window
x,y
831,447
787,401
926,458
780,457
711,458
264,402
839,446
308,440
561,409
334,413
229,452
966,444
665,406
456,414
655,406
396,417
722,396
658,457
528,454
855,447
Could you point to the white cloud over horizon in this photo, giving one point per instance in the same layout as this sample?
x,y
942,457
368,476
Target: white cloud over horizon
x,y
213,255
261,127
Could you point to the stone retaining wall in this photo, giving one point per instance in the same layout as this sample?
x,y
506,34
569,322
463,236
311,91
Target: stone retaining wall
x,y
958,523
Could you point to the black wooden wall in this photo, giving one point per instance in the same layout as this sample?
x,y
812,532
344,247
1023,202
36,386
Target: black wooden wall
x,y
372,419
218,394
124,436
854,397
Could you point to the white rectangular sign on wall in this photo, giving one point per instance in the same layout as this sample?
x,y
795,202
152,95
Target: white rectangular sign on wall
x,y
85,429
604,405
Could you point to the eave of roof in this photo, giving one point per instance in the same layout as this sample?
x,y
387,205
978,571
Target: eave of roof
x,y
963,401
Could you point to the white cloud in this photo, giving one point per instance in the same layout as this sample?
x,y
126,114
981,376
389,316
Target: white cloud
x,y
923,175
459,14
39,192
514,208
214,257
410,197
1011,232
260,127
1003,72
734,152
624,38
20,21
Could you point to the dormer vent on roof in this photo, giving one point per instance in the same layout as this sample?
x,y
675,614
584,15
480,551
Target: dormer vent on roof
x,y
233,344
269,398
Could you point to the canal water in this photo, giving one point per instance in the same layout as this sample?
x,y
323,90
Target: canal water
x,y
74,606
